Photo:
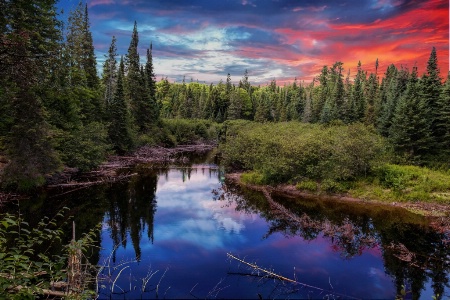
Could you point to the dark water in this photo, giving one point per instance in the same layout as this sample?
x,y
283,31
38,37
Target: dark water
x,y
166,234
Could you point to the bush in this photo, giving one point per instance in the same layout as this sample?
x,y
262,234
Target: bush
x,y
184,131
285,151
27,267
85,148
253,178
307,185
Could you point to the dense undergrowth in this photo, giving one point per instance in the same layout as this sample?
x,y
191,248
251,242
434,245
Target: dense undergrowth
x,y
350,159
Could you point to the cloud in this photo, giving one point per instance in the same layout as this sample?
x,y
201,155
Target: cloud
x,y
208,39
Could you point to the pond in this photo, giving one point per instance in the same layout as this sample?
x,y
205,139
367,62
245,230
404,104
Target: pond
x,y
185,232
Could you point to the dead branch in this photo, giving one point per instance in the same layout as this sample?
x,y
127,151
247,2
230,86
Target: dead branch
x,y
282,278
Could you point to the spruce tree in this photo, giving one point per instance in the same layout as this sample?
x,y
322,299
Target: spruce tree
x,y
429,92
150,104
83,66
358,107
119,130
410,131
134,88
323,94
29,39
89,61
442,129
109,76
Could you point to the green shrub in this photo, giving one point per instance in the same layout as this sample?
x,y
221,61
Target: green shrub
x,y
187,131
284,151
253,178
307,185
26,264
86,147
332,186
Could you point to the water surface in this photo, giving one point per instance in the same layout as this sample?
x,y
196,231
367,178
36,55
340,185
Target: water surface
x,y
166,233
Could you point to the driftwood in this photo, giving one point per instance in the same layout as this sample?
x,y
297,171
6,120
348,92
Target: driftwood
x,y
107,172
274,275
90,183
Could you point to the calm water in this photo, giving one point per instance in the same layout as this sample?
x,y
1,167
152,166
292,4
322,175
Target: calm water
x,y
166,233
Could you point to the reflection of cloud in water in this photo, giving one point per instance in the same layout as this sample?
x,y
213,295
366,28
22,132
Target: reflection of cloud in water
x,y
202,221
171,187
228,224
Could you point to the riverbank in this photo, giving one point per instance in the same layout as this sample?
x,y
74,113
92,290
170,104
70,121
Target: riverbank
x,y
114,168
438,214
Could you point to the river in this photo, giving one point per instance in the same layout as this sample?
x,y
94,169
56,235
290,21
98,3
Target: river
x,y
184,232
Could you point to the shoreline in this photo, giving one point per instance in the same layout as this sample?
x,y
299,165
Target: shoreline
x,y
107,172
427,209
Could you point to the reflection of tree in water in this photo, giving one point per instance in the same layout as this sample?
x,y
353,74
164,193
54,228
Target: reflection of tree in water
x,y
413,252
132,209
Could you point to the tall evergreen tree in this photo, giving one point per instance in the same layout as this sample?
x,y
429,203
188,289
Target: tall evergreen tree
x,y
358,106
89,61
83,66
394,84
119,130
430,90
109,76
410,130
29,38
442,129
134,89
150,83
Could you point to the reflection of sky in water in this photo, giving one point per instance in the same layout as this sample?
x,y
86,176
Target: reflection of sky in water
x,y
193,232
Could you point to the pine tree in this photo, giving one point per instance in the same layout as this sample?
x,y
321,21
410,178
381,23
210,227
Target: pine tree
x,y
228,85
244,83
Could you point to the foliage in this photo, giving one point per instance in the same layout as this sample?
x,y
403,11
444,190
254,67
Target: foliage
x,y
182,131
252,178
26,263
307,185
292,151
85,148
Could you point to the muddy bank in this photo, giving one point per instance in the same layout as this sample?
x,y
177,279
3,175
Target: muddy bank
x,y
438,214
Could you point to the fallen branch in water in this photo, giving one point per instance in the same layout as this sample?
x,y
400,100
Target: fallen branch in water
x,y
280,277
90,183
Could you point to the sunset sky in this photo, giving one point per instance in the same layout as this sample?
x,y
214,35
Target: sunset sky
x,y
272,39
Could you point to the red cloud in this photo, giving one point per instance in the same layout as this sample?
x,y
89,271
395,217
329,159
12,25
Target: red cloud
x,y
405,39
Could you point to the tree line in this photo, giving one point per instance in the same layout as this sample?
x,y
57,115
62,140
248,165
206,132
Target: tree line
x,y
410,111
57,111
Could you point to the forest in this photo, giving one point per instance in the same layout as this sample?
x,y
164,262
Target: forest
x,y
383,135
58,112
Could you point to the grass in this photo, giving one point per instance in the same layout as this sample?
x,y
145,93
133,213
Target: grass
x,y
404,184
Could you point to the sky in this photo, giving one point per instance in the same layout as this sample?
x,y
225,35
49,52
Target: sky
x,y
205,40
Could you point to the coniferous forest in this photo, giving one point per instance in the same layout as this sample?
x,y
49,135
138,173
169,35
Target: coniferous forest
x,y
382,135
57,111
